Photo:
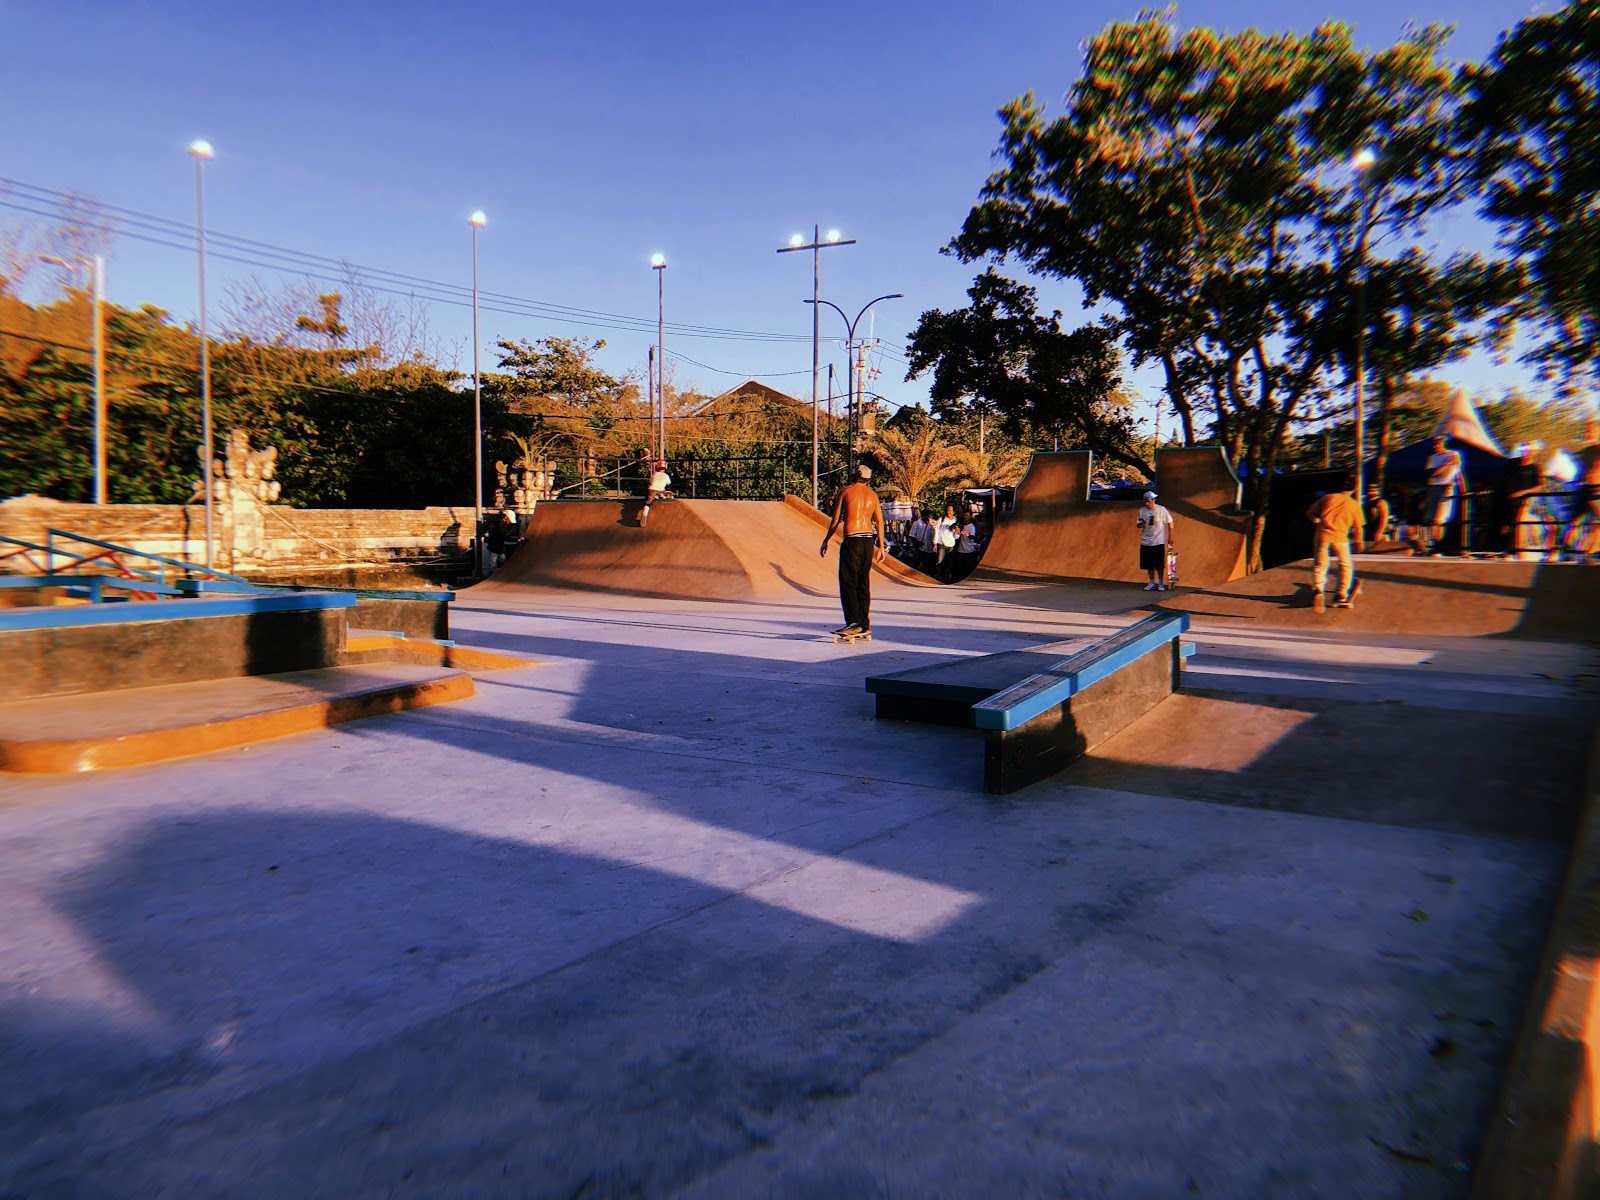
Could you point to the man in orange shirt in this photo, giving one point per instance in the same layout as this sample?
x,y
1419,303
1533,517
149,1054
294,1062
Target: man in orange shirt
x,y
1337,522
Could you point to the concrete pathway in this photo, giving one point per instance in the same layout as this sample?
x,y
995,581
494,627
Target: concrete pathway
x,y
672,914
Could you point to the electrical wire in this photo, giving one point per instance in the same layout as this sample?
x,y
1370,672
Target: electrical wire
x,y
161,231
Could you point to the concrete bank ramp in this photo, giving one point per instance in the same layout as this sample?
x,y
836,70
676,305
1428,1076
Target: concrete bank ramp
x,y
1400,594
1057,532
691,550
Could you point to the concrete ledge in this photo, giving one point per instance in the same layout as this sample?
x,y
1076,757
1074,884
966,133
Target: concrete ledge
x,y
169,610
147,725
1544,1141
373,647
1049,688
1050,740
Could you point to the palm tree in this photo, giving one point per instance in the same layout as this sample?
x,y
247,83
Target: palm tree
x,y
915,462
993,468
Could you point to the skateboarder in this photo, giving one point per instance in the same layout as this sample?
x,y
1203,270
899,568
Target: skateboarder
x,y
660,481
1336,520
859,511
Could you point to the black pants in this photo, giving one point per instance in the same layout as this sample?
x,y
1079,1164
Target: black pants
x,y
855,579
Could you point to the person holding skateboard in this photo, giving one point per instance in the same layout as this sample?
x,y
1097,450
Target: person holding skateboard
x,y
660,481
1337,522
857,508
1155,542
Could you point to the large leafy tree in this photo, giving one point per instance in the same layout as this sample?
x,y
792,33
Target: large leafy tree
x,y
1533,120
554,383
1000,355
1198,185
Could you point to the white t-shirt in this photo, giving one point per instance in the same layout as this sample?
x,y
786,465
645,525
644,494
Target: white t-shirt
x,y
1154,525
945,532
917,535
1444,468
968,542
659,482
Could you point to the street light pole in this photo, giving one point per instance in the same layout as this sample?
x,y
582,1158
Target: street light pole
x,y
816,245
200,151
476,220
1363,160
658,263
850,359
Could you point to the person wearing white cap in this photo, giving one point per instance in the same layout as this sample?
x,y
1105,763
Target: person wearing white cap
x,y
1155,541
864,541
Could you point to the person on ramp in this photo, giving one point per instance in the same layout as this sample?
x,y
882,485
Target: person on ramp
x,y
862,516
660,482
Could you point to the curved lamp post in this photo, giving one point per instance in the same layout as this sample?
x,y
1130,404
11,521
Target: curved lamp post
x,y
850,363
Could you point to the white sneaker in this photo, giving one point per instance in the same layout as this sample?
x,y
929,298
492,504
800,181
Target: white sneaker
x,y
1161,587
1150,587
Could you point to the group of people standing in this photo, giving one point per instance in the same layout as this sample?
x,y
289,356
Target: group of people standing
x,y
947,546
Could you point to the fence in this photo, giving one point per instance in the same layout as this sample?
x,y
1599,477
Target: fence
x,y
767,473
1551,523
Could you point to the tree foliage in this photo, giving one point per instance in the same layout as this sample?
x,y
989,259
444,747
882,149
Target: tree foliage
x,y
1533,123
1198,184
1000,355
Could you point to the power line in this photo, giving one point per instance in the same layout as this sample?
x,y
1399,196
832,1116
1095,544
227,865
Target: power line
x,y
159,231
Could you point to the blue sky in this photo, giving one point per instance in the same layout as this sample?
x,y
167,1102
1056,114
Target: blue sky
x,y
592,136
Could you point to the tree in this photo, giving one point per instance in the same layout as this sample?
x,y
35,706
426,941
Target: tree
x,y
1199,184
554,381
1533,122
1000,355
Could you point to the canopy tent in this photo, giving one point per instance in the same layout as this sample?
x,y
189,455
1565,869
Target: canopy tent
x,y
1485,461
1462,422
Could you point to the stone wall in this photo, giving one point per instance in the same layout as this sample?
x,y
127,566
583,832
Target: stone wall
x,y
271,540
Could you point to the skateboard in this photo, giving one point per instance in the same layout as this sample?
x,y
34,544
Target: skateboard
x,y
1355,590
852,638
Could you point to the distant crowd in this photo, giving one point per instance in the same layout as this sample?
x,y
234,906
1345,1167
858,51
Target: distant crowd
x,y
945,545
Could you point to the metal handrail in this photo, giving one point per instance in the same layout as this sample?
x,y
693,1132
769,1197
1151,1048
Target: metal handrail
x,y
189,568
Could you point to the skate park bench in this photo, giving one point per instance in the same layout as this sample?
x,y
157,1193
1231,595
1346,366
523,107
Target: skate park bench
x,y
1041,708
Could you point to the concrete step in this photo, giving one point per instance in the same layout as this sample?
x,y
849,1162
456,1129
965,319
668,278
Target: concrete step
x,y
133,726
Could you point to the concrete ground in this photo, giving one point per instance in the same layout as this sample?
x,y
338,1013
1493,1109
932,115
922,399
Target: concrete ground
x,y
672,914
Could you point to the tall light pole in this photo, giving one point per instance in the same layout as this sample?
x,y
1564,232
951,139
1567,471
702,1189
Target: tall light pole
x,y
850,357
816,245
476,220
1361,165
97,290
658,264
201,150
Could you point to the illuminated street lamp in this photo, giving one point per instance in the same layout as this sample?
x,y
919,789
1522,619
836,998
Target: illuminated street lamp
x,y
200,150
816,246
476,220
658,263
1361,164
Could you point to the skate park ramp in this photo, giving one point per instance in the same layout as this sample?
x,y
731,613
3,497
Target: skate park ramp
x,y
1399,594
1058,533
691,550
